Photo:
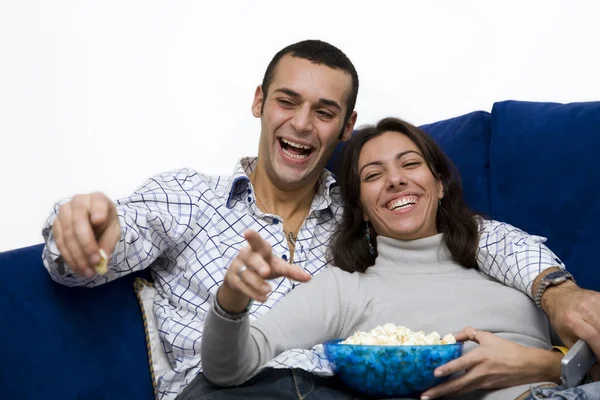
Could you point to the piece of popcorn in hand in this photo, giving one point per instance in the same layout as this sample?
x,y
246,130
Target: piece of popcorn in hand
x,y
102,267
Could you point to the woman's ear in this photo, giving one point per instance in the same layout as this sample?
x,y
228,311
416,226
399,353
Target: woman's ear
x,y
440,188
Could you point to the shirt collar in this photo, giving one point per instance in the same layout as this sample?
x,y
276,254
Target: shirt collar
x,y
239,182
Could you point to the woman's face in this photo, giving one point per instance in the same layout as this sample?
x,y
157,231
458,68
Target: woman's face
x,y
398,192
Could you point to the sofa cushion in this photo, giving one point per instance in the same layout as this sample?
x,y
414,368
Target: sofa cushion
x,y
465,139
545,178
68,343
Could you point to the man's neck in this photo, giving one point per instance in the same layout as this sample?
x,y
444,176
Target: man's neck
x,y
288,204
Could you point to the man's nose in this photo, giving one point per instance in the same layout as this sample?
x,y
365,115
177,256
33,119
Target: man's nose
x,y
302,121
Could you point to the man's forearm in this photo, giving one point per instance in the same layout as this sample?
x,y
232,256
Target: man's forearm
x,y
514,257
552,295
538,280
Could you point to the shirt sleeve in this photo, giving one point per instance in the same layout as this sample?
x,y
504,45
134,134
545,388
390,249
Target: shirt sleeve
x,y
513,256
160,215
235,350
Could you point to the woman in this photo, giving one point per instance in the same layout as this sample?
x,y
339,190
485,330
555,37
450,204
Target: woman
x,y
405,253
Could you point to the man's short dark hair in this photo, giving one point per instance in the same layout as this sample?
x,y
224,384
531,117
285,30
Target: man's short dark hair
x,y
317,52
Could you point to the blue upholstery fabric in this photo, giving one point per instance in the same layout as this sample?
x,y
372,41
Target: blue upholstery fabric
x,y
68,343
465,140
545,177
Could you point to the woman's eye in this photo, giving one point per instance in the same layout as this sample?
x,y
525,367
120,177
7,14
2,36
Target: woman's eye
x,y
370,177
412,164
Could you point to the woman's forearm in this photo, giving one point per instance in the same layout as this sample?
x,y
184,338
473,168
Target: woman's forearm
x,y
231,301
229,353
545,365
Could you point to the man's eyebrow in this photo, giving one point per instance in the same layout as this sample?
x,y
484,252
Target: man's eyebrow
x,y
296,95
398,156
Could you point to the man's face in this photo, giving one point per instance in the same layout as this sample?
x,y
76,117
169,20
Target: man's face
x,y
301,120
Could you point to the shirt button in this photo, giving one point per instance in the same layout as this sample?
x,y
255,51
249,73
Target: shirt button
x,y
249,199
275,221
284,257
249,191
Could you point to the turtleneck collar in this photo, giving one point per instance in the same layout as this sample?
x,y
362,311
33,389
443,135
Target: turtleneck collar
x,y
401,254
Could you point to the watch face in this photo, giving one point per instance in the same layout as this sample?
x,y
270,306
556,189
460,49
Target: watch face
x,y
558,276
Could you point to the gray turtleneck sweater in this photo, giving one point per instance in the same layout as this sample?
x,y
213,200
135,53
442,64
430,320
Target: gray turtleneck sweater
x,y
413,283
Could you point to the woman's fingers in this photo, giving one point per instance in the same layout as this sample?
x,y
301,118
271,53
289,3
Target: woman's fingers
x,y
246,281
252,279
254,264
459,364
280,267
259,245
467,333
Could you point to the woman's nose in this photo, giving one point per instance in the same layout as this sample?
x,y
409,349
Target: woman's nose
x,y
396,179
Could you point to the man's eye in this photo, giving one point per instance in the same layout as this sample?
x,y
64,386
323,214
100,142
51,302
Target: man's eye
x,y
325,114
285,102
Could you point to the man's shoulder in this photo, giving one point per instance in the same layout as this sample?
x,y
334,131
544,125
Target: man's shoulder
x,y
189,178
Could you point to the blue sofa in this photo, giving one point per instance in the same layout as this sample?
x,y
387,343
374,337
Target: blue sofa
x,y
529,164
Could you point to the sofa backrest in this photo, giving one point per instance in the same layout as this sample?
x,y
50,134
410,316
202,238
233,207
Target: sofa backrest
x,y
466,141
545,178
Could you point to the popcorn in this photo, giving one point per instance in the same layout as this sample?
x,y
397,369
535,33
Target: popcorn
x,y
102,267
390,334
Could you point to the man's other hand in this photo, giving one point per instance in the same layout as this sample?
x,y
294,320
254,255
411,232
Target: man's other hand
x,y
84,225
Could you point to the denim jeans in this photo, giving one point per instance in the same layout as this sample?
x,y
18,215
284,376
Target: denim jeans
x,y
590,391
275,384
295,384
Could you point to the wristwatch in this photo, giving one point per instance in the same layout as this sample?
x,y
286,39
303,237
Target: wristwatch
x,y
552,279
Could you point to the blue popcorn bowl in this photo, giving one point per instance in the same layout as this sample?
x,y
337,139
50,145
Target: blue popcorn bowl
x,y
389,371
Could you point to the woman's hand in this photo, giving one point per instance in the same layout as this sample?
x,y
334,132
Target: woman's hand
x,y
247,274
496,363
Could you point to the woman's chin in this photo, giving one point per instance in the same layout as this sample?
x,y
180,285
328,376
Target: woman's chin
x,y
411,233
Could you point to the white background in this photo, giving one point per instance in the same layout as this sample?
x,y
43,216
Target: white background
x,y
101,95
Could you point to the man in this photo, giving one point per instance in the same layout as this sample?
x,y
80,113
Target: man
x,y
189,227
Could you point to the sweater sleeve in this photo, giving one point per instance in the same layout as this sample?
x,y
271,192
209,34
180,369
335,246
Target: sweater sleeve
x,y
512,256
233,351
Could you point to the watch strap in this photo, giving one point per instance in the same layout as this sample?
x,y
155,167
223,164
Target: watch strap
x,y
547,282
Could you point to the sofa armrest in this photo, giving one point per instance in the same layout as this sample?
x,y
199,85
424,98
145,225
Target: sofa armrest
x,y
68,343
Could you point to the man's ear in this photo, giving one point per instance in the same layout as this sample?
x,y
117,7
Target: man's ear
x,y
258,102
349,127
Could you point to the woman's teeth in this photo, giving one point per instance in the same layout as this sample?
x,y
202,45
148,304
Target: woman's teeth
x,y
403,202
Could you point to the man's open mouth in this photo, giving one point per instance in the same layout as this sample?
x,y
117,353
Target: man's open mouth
x,y
295,150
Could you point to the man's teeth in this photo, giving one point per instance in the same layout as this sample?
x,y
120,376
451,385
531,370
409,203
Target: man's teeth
x,y
296,156
403,202
296,145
